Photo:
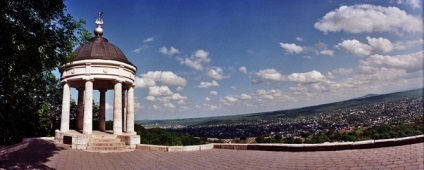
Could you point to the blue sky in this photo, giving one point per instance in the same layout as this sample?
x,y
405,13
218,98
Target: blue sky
x,y
199,58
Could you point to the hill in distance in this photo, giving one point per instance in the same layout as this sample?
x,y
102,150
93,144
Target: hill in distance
x,y
257,117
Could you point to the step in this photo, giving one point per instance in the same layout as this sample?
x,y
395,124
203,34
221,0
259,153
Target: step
x,y
103,136
107,147
105,140
110,151
106,144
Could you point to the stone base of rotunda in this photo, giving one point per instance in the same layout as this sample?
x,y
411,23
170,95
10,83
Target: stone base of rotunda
x,y
80,141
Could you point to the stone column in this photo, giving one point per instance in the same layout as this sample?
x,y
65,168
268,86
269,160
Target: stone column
x,y
117,109
124,128
130,110
102,109
66,106
80,111
88,107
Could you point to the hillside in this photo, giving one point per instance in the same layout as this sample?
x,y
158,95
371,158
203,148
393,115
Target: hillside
x,y
291,113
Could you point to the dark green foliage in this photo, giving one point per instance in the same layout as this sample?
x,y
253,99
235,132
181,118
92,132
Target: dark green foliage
x,y
278,137
263,139
157,136
243,138
36,37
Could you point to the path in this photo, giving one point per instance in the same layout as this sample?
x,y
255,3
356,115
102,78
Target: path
x,y
42,154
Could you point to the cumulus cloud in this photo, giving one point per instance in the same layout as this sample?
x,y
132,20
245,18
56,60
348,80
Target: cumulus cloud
x,y
169,105
177,96
414,4
291,48
369,18
213,93
143,83
355,47
343,71
375,45
381,44
327,52
216,73
159,91
197,61
150,98
171,51
245,96
208,84
243,69
270,74
410,62
165,77
307,77
299,39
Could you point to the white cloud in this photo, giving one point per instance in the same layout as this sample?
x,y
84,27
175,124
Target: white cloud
x,y
213,93
149,40
369,18
208,84
179,89
327,52
307,77
381,44
150,98
169,105
410,62
299,39
169,52
159,91
197,61
270,74
165,77
177,96
144,82
292,48
216,73
243,69
343,71
137,106
138,50
414,3
231,99
245,96
207,99
355,47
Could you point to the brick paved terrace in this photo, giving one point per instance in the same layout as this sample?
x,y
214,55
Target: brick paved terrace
x,y
45,154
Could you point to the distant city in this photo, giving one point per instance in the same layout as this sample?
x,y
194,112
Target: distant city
x,y
348,115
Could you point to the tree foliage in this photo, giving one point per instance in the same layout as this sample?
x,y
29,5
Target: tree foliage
x,y
158,136
36,37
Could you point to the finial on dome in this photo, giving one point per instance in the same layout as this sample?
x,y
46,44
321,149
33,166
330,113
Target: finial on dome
x,y
99,30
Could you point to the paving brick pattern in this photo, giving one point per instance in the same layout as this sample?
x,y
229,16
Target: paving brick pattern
x,y
42,154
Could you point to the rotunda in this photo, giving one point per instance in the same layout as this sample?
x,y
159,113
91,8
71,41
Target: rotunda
x,y
102,66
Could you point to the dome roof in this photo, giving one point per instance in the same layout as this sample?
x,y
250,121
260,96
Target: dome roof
x,y
100,48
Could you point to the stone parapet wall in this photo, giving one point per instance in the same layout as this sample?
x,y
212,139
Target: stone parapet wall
x,y
15,147
324,146
174,148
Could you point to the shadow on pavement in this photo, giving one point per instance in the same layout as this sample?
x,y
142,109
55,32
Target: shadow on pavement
x,y
34,156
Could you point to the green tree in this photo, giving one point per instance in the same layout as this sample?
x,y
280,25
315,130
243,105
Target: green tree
x,y
36,37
